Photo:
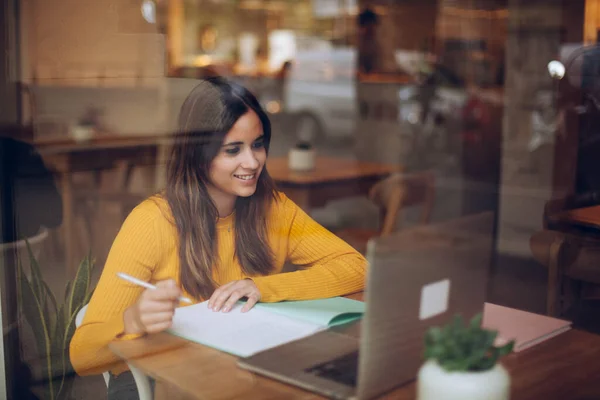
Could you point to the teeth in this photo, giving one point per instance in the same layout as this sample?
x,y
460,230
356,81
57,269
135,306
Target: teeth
x,y
245,177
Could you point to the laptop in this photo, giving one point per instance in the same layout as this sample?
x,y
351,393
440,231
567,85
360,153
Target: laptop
x,y
417,279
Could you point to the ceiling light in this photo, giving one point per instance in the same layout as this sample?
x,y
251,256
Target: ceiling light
x,y
149,11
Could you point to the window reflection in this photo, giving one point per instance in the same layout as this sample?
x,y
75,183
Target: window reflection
x,y
497,101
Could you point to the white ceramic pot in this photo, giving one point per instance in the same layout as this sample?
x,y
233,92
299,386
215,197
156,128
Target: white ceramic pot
x,y
435,383
82,133
301,159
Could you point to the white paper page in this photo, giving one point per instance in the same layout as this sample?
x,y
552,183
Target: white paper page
x,y
241,334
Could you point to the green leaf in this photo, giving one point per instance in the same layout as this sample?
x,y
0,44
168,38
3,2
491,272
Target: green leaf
x,y
80,286
67,292
90,291
67,335
435,334
92,262
88,297
464,347
59,331
479,352
51,297
506,349
457,324
69,332
57,347
37,281
35,317
36,274
50,306
476,322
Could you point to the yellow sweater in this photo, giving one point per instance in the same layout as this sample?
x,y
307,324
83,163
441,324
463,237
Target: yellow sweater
x,y
146,248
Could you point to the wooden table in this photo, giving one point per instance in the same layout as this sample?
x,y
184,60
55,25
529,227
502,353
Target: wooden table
x,y
565,367
66,156
332,178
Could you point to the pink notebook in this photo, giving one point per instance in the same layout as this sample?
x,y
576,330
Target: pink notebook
x,y
527,329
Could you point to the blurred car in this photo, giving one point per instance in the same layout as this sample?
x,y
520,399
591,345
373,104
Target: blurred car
x,y
320,93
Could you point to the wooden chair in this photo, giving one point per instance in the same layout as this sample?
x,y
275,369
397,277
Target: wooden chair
x,y
392,195
142,382
571,256
573,268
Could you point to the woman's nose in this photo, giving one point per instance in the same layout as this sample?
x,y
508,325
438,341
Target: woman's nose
x,y
250,160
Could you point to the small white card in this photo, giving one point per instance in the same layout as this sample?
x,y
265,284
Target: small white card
x,y
434,299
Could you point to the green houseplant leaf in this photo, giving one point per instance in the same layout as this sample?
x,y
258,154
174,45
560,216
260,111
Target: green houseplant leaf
x,y
53,324
50,306
67,291
34,315
57,348
80,286
36,274
460,347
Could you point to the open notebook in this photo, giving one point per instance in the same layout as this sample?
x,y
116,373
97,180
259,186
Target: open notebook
x,y
527,329
264,326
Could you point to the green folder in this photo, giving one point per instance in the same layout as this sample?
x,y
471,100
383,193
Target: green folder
x,y
325,312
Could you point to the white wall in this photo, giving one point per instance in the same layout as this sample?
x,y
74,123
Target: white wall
x,y
84,39
93,53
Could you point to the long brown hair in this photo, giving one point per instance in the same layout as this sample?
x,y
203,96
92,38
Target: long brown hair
x,y
206,116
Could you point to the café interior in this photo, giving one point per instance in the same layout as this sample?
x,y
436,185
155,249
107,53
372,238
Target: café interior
x,y
459,107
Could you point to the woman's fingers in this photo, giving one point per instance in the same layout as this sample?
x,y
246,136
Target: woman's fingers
x,y
233,297
218,296
156,328
165,290
157,318
152,306
156,307
226,296
252,300
154,313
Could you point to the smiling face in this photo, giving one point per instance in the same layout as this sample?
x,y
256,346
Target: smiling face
x,y
235,170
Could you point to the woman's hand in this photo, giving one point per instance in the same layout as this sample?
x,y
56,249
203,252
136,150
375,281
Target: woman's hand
x,y
226,296
154,310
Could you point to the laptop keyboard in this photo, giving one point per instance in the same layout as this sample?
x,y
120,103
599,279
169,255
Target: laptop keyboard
x,y
343,369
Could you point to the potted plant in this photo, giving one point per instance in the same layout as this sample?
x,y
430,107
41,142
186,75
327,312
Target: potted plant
x,y
52,321
87,126
462,363
302,157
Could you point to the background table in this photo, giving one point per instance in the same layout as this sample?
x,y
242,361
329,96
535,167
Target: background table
x,y
331,179
65,157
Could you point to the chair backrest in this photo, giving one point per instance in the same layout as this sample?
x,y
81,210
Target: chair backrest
x,y
399,191
21,247
79,316
78,321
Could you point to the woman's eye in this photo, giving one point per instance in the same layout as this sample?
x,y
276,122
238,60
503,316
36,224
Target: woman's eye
x,y
258,145
232,150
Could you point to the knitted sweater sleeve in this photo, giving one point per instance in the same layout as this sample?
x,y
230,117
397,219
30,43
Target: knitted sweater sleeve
x,y
135,251
328,266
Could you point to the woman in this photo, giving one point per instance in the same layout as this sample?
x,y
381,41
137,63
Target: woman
x,y
219,231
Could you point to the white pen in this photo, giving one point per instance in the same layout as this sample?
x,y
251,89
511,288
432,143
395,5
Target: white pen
x,y
147,285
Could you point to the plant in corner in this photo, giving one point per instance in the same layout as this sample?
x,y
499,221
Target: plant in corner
x,y
462,363
53,323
